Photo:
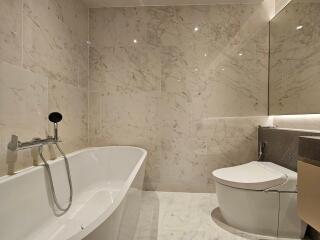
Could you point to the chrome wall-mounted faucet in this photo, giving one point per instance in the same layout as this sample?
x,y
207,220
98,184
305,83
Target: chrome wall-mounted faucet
x,y
16,145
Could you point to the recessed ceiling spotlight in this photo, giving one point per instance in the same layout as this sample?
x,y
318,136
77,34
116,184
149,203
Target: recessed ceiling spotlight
x,y
240,54
299,27
196,29
135,41
205,54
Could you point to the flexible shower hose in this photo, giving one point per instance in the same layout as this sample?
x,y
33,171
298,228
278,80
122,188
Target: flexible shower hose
x,y
47,167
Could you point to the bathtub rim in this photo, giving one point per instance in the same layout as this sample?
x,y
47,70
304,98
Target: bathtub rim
x,y
30,169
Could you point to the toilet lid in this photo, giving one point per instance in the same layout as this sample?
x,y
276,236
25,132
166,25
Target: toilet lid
x,y
252,176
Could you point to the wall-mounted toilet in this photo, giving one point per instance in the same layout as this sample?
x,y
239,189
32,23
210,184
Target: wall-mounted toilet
x,y
261,198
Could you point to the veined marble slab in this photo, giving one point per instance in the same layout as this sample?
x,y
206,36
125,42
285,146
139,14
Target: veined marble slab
x,y
23,111
44,67
189,84
295,59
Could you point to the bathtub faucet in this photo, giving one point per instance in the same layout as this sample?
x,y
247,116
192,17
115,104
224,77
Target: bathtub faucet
x,y
16,145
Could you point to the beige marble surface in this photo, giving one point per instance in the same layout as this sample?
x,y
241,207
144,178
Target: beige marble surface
x,y
295,59
73,103
10,31
185,216
280,4
44,68
54,39
186,83
23,111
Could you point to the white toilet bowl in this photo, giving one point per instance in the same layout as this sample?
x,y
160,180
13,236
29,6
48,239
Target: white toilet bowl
x,y
261,198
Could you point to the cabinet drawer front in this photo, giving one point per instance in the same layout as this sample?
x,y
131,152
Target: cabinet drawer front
x,y
309,193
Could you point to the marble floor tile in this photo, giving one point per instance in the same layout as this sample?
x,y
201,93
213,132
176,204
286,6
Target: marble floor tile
x,y
185,216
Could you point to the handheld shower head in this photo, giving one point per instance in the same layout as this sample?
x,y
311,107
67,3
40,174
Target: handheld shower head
x,y
55,117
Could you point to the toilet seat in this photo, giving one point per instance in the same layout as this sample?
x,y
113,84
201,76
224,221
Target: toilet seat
x,y
257,176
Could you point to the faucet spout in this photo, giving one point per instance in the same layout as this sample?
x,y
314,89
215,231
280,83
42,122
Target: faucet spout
x,y
16,145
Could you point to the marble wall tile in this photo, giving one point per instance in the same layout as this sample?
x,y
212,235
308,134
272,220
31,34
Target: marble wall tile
x,y
295,59
232,141
82,56
121,25
94,118
280,4
134,117
23,111
47,40
10,31
127,120
232,61
190,65
125,69
72,103
48,46
187,161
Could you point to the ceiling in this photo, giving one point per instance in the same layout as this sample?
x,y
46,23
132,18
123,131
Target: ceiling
x,y
136,3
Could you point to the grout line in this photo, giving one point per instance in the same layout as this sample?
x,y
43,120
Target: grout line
x,y
88,86
269,71
170,5
279,209
22,33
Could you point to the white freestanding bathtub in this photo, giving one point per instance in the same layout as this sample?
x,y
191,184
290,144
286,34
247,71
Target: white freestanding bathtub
x,y
107,185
